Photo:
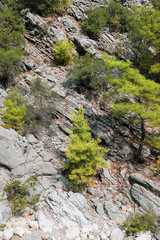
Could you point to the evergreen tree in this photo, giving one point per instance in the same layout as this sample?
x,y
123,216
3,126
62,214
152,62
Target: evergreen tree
x,y
84,153
88,72
45,7
142,102
144,33
64,52
11,42
13,116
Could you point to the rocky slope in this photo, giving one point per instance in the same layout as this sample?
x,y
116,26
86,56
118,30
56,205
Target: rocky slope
x,y
99,211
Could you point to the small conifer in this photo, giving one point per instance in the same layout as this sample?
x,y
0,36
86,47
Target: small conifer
x,y
84,153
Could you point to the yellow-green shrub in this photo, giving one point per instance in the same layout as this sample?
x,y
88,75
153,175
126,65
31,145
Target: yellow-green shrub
x,y
18,195
64,52
84,153
138,222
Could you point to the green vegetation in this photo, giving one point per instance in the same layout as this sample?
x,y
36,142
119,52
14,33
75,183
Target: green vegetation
x,y
142,102
11,43
42,7
97,19
113,16
144,33
18,195
64,52
158,162
156,4
13,116
142,26
89,72
138,222
42,109
84,153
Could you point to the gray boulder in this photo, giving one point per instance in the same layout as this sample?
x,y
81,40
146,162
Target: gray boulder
x,y
45,223
117,234
10,154
145,182
20,156
106,177
111,210
69,210
5,212
1,235
8,234
145,198
144,236
56,34
69,25
85,45
100,209
32,19
145,192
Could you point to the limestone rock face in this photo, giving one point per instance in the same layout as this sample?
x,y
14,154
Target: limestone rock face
x,y
69,210
10,153
21,156
140,3
117,234
5,212
145,182
85,45
145,192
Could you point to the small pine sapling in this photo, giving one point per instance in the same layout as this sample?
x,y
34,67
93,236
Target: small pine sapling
x,y
84,153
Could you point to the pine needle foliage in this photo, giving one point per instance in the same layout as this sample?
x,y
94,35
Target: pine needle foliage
x,y
84,153
88,72
134,95
138,222
45,7
11,43
18,195
64,52
13,115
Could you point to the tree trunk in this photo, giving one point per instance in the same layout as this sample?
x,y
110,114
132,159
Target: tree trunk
x,y
139,157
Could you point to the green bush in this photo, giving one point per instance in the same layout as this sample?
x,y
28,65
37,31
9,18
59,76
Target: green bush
x,y
11,43
13,116
44,7
97,19
118,17
64,52
138,222
144,35
42,109
18,195
114,16
83,152
89,72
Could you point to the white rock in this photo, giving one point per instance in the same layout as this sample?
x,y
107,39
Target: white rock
x,y
86,229
117,234
108,233
19,231
91,237
33,224
144,236
103,236
45,224
1,235
105,226
95,227
72,232
8,234
84,236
